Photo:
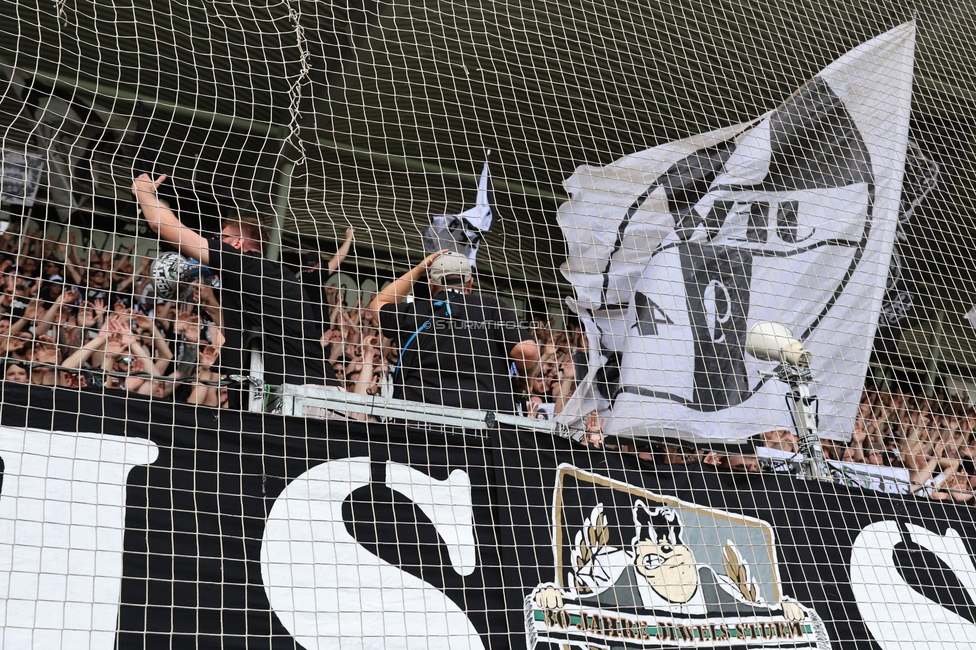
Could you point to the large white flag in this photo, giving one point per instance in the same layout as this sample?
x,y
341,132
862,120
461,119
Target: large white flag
x,y
462,233
677,251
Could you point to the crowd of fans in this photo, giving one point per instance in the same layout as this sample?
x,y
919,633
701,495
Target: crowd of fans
x,y
76,318
92,319
563,354
929,441
931,437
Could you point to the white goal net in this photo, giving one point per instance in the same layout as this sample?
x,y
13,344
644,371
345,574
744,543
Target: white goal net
x,y
482,325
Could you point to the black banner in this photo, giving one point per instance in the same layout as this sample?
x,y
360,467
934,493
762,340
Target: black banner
x,y
251,531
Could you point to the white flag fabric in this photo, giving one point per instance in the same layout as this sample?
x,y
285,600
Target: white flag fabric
x,y
462,233
677,251
971,316
620,213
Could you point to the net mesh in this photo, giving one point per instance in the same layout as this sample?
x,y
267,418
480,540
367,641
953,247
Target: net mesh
x,y
704,329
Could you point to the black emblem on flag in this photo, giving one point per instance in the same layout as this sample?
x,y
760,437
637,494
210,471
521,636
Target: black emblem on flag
x,y
814,145
649,315
717,289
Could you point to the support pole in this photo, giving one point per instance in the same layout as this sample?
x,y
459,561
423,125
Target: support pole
x,y
280,210
814,465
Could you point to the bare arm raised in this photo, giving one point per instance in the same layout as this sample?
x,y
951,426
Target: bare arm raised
x,y
164,222
343,250
396,291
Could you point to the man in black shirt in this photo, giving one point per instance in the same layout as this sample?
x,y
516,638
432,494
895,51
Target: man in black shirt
x,y
260,298
456,349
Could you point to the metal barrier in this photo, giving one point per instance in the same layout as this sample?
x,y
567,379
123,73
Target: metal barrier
x,y
304,401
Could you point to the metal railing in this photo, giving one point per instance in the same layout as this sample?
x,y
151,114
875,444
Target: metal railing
x,y
302,401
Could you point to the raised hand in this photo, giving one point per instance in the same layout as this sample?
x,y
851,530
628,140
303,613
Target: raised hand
x,y
208,357
143,322
189,324
594,422
144,187
569,370
30,312
204,294
430,258
119,325
115,346
69,296
370,351
19,342
45,350
137,365
107,330
368,319
594,430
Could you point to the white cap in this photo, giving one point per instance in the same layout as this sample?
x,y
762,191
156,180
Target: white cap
x,y
447,265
